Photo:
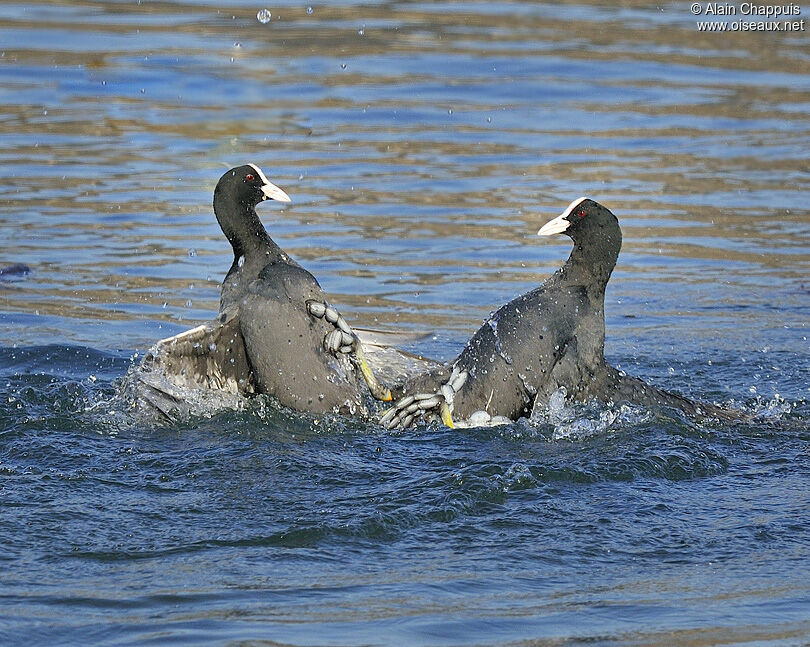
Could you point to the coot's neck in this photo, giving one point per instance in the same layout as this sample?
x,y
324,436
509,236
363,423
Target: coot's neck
x,y
589,267
243,229
594,256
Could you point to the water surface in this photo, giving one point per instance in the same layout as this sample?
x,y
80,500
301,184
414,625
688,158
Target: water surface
x,y
423,145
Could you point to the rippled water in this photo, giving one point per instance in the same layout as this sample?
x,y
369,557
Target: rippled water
x,y
423,145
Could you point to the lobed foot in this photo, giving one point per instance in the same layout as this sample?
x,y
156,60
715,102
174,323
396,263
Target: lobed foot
x,y
417,405
343,341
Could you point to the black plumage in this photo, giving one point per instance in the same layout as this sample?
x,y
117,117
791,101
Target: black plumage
x,y
550,337
265,338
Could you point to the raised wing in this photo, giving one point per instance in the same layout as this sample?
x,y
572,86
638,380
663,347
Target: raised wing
x,y
196,372
205,369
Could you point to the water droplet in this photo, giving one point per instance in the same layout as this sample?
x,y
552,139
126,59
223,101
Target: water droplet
x,y
556,402
309,11
192,253
264,16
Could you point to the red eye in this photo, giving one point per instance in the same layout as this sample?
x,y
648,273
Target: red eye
x,y
249,177
582,214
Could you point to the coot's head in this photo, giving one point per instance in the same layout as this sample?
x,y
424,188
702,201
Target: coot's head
x,y
249,185
596,235
582,218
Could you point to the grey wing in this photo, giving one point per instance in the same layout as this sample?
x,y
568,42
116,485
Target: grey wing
x,y
391,365
196,372
373,337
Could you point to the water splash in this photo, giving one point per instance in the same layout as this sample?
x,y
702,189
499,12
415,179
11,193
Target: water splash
x,y
556,405
771,409
577,421
609,419
482,419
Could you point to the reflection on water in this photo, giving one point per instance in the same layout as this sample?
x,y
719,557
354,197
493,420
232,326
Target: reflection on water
x,y
423,145
421,155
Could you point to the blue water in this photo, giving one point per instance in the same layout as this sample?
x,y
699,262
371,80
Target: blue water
x,y
422,156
